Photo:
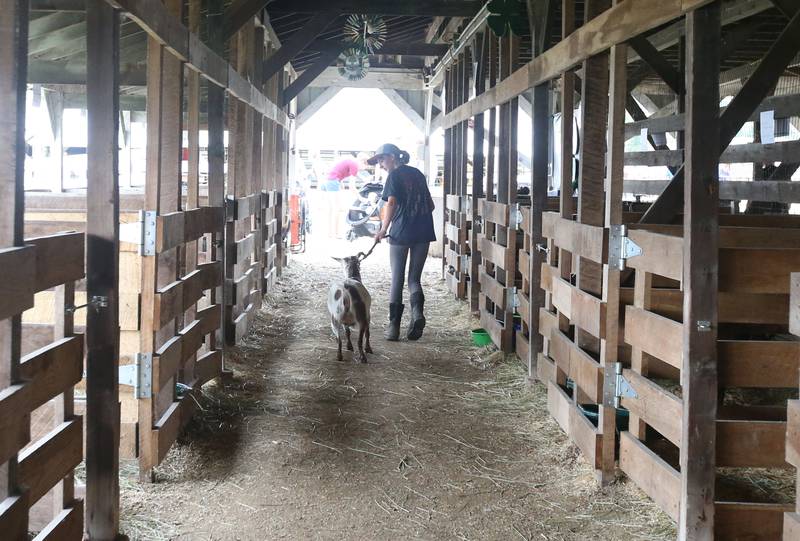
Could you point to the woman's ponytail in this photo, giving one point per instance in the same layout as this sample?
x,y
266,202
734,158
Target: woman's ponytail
x,y
403,157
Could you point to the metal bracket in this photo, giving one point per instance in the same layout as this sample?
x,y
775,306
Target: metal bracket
x,y
139,375
620,247
622,387
512,298
542,248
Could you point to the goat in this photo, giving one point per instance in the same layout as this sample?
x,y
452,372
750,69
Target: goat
x,y
349,305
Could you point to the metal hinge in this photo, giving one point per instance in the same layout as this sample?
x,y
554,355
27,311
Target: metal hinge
x,y
516,216
512,298
620,247
142,232
622,387
139,375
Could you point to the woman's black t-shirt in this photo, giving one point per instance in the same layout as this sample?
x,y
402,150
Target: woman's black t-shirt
x,y
413,218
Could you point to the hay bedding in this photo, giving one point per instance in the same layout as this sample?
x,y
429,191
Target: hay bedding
x,y
429,440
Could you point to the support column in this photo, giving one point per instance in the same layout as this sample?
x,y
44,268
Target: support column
x,y
700,276
102,272
13,75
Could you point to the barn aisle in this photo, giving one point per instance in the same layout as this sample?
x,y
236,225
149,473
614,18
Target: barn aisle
x,y
430,440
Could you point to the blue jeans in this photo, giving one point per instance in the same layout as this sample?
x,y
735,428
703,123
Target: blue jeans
x,y
331,186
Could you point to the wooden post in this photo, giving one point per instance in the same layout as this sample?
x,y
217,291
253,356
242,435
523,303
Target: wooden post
x,y
102,273
190,250
13,75
615,166
216,159
700,275
566,205
448,163
540,118
492,143
478,175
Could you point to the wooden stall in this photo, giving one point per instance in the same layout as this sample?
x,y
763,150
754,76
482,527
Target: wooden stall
x,y
142,274
791,520
753,352
673,365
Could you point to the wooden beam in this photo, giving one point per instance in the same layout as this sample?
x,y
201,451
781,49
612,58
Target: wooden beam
x,y
732,12
736,114
622,22
783,106
700,276
403,48
311,73
777,191
317,104
102,272
298,42
405,108
656,60
426,8
399,79
238,13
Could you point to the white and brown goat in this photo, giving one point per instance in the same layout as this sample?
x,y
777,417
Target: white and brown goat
x,y
349,305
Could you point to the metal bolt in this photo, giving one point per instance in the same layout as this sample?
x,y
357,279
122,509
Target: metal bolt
x,y
703,326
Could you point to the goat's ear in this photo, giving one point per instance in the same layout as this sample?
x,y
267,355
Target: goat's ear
x,y
337,259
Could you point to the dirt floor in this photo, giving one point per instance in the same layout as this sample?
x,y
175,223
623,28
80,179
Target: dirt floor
x,y
431,440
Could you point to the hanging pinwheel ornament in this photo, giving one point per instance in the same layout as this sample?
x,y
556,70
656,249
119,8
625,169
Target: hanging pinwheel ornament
x,y
353,64
366,32
505,15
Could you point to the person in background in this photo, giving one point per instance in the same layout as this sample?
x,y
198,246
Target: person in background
x,y
337,176
409,225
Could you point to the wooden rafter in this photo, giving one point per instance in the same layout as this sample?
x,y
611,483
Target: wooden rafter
x,y
305,78
658,63
297,43
427,8
737,113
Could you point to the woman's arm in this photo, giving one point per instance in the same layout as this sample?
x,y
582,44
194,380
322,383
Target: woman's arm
x,y
391,206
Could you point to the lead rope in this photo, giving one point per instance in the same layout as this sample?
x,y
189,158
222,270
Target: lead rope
x,y
362,256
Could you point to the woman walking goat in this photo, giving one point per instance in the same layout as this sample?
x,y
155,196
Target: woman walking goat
x,y
409,224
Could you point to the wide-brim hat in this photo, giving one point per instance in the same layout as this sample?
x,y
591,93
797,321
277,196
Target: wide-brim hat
x,y
383,150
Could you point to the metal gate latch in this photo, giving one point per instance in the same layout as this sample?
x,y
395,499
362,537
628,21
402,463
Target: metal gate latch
x,y
620,247
622,387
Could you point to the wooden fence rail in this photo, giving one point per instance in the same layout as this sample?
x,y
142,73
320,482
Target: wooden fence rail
x,y
40,429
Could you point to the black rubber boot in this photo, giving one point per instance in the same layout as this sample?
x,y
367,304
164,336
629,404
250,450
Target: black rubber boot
x,y
417,323
392,332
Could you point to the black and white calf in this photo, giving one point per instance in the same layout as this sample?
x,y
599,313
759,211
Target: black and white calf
x,y
349,304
